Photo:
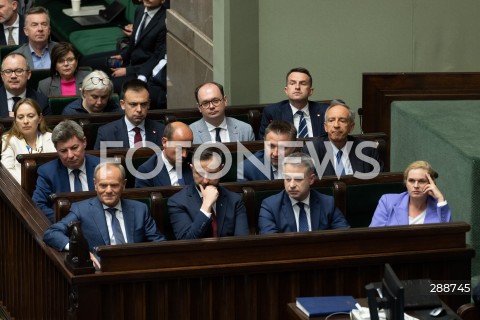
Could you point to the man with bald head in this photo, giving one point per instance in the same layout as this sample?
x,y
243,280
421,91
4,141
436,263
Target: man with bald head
x,y
177,135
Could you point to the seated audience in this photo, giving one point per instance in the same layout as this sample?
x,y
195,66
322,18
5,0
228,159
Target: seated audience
x,y
299,208
12,24
205,209
277,134
169,174
214,125
306,115
421,203
15,74
134,129
37,29
96,96
72,171
339,148
106,219
65,78
29,134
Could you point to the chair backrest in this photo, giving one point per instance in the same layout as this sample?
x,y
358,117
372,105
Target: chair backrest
x,y
37,75
58,103
5,50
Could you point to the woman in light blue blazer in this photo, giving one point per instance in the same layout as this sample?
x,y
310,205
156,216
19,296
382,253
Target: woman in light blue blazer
x,y
65,78
422,203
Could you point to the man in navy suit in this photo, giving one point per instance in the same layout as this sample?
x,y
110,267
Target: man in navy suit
x,y
299,208
298,88
176,135
205,209
280,137
9,18
337,153
15,74
106,219
133,130
72,170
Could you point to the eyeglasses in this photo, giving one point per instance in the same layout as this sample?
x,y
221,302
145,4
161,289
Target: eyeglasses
x,y
18,72
67,60
97,80
215,102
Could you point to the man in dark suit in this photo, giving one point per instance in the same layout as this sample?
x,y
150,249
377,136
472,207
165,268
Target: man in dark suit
x,y
106,219
280,142
338,153
72,171
306,115
299,208
147,44
176,135
133,130
15,74
12,24
205,209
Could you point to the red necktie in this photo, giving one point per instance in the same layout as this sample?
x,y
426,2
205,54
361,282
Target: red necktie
x,y
214,224
138,136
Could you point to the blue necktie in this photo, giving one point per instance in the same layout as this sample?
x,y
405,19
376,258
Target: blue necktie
x,y
77,184
117,230
217,135
340,171
302,126
302,218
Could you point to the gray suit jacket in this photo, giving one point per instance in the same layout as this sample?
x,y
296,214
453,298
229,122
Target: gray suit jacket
x,y
237,130
25,50
51,86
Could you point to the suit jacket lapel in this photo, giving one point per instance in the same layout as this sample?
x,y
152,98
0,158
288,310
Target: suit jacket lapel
x,y
129,220
203,131
64,179
288,213
98,215
286,111
221,211
124,133
90,168
232,131
316,119
399,210
315,208
163,176
150,133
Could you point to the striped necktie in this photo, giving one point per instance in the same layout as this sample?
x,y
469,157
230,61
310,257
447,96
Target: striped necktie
x,y
302,126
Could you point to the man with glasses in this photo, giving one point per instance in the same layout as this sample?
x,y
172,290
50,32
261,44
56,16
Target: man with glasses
x,y
96,96
11,24
306,115
133,130
214,125
37,29
15,74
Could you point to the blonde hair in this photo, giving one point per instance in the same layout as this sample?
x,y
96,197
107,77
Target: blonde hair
x,y
420,164
14,130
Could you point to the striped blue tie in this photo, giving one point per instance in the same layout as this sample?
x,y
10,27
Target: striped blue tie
x,y
302,218
302,126
340,171
117,230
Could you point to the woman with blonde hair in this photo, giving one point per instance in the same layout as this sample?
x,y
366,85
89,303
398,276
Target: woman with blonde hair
x,y
421,203
29,134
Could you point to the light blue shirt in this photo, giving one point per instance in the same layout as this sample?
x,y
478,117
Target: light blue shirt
x,y
43,61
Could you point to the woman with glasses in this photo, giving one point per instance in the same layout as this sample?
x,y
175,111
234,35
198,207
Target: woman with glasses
x,y
29,134
421,203
65,78
95,97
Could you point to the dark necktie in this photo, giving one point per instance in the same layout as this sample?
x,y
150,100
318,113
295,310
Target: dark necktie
x,y
214,224
15,100
138,135
77,184
117,230
10,41
142,26
340,171
217,135
302,126
302,218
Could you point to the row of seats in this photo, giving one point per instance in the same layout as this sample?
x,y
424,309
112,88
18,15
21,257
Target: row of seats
x,y
356,198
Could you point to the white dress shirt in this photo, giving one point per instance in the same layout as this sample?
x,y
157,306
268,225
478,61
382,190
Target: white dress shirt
x,y
296,210
306,115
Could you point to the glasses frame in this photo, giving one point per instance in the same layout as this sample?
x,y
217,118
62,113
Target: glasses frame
x,y
215,102
105,81
69,60
18,72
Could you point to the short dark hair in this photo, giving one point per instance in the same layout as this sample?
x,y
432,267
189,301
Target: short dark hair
x,y
301,70
282,127
219,86
209,152
38,10
135,84
59,50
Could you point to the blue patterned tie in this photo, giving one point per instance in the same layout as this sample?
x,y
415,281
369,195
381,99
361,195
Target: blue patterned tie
x,y
302,126
302,218
117,230
77,184
340,171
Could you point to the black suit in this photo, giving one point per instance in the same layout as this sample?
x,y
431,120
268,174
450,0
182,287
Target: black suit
x,y
32,94
22,38
357,164
117,131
